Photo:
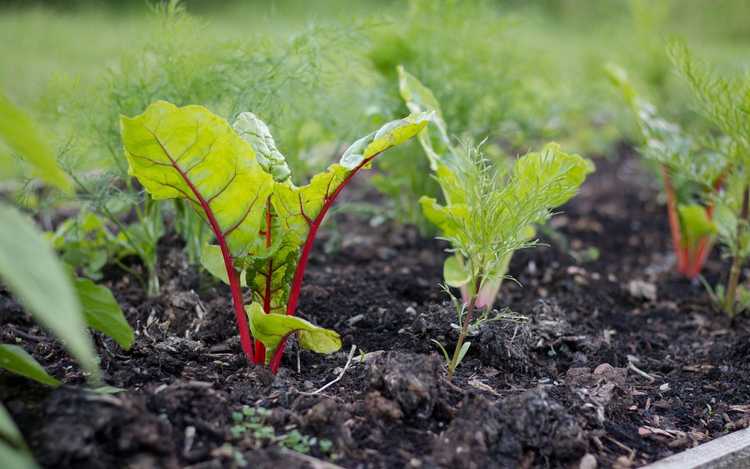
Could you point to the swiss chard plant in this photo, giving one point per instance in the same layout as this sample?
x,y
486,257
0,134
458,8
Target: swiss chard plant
x,y
692,173
263,225
488,210
725,102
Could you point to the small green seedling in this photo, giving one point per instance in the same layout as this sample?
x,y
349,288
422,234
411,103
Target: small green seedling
x,y
251,421
263,225
488,211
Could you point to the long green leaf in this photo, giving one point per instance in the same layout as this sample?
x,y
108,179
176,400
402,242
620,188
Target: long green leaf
x,y
32,272
19,133
15,458
15,359
8,429
103,313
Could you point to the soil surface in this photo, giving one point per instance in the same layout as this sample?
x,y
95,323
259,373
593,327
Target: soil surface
x,y
617,361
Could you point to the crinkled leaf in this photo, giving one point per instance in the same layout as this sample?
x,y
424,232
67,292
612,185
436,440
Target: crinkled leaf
x,y
271,328
103,313
255,132
190,153
32,272
15,359
20,134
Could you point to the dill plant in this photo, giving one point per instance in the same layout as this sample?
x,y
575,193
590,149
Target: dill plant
x,y
489,213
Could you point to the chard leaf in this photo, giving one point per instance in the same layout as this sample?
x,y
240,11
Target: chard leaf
x,y
455,273
15,359
20,134
34,275
103,313
272,328
392,134
419,98
695,224
255,132
190,153
212,260
298,207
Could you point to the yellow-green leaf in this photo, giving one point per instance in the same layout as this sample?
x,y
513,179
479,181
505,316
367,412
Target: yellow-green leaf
x,y
190,153
695,224
271,328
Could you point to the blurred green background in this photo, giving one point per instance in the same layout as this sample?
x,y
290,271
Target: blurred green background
x,y
322,73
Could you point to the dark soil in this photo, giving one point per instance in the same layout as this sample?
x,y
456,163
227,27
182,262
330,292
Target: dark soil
x,y
619,361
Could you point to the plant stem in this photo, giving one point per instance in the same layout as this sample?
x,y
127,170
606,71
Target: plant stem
x,y
462,336
674,222
734,273
299,273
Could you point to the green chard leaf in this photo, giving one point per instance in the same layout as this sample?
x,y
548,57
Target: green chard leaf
x,y
255,132
419,98
695,224
272,328
236,178
32,272
190,153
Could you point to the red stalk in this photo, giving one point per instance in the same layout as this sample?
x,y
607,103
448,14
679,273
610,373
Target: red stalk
x,y
299,273
260,349
234,283
674,222
689,261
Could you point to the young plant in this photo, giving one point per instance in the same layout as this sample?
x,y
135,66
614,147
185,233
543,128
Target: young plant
x,y
489,210
461,172
264,226
725,102
692,176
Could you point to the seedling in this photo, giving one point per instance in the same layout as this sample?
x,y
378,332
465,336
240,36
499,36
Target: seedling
x,y
489,211
725,102
692,176
251,421
264,226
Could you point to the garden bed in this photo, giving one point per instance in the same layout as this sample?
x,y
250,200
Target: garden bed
x,y
620,361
